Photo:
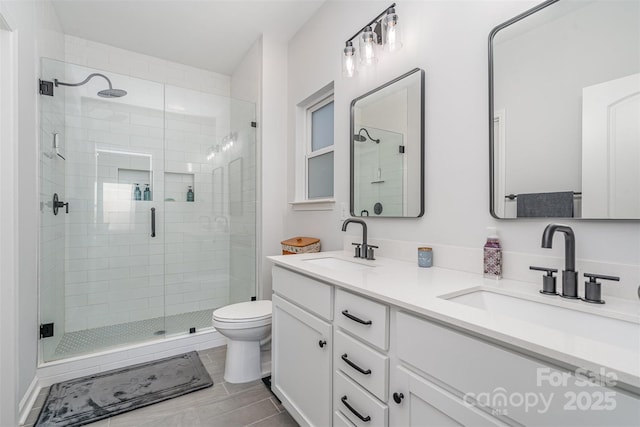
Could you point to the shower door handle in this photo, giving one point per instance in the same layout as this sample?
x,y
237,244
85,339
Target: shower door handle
x,y
153,222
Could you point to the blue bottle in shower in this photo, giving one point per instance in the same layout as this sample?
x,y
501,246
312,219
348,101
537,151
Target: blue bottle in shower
x,y
190,195
147,193
137,194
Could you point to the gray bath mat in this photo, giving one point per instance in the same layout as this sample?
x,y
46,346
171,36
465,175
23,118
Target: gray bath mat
x,y
92,398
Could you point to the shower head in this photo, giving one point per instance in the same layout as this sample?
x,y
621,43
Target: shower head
x,y
361,138
106,93
112,93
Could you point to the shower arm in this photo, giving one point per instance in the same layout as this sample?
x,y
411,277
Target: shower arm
x,y
58,83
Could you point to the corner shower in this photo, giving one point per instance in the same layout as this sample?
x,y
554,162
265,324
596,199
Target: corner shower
x,y
125,266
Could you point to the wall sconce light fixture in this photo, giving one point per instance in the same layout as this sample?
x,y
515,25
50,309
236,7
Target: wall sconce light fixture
x,y
213,150
382,31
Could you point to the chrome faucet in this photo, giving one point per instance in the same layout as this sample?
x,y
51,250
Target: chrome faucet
x,y
569,274
361,248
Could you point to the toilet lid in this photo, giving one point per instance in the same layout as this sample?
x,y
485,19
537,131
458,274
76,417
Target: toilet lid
x,y
251,310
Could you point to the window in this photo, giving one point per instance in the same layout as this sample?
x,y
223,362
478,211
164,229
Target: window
x,y
314,152
319,157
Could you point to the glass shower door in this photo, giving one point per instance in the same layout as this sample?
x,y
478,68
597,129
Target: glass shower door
x,y
101,267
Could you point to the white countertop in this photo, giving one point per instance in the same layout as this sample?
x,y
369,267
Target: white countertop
x,y
418,290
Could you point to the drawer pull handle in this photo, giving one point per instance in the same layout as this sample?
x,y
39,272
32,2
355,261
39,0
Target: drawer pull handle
x,y
354,366
355,319
356,413
322,343
397,397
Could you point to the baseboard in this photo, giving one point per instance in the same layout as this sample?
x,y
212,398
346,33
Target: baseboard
x,y
27,401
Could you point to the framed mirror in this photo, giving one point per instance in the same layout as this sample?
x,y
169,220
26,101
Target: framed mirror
x,y
564,102
387,149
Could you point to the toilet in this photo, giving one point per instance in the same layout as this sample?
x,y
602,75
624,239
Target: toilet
x,y
245,325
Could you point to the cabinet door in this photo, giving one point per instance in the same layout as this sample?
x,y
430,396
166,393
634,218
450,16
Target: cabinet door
x,y
513,386
301,361
414,401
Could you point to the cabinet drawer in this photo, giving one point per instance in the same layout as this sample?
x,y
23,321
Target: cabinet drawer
x,y
352,357
357,405
311,294
363,317
501,374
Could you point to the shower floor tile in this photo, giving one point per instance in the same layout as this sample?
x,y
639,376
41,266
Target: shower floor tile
x,y
91,340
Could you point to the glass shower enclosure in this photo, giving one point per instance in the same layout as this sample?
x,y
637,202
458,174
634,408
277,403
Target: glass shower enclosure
x,y
147,209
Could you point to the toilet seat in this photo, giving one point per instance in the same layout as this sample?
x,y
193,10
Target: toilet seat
x,y
244,312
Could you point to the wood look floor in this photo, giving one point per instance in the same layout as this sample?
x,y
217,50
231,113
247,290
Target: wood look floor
x,y
224,405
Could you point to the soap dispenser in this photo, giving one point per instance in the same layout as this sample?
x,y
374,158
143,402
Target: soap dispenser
x,y
492,255
190,195
147,192
137,194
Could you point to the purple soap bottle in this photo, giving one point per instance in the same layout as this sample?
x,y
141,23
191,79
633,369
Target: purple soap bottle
x,y
492,255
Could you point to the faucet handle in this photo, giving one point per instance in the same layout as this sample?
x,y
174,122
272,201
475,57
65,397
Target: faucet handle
x,y
548,281
370,254
592,289
358,249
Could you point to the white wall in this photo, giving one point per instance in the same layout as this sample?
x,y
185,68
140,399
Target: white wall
x,y
273,128
39,34
8,222
448,40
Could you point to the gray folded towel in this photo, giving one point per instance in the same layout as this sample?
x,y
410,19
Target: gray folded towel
x,y
555,205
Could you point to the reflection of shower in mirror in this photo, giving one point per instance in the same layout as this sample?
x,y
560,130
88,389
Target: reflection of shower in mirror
x,y
361,138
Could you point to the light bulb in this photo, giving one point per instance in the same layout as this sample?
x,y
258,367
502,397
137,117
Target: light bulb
x,y
392,39
349,60
368,47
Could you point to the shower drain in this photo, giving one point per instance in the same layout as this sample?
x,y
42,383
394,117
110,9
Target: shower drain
x,y
161,332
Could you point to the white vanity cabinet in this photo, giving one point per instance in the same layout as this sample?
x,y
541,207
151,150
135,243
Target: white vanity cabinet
x,y
383,365
302,346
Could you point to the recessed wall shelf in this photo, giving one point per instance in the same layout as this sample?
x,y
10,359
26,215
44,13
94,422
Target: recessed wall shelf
x,y
177,184
136,176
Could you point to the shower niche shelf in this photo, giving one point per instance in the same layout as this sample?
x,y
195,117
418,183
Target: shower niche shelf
x,y
177,184
131,177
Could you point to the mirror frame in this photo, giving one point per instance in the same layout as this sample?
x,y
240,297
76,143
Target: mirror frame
x,y
422,145
491,99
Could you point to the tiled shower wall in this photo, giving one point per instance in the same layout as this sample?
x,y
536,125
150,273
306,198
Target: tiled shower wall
x,y
114,268
117,272
380,173
108,58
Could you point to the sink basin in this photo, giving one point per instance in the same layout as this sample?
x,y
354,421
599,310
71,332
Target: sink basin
x,y
338,264
621,333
